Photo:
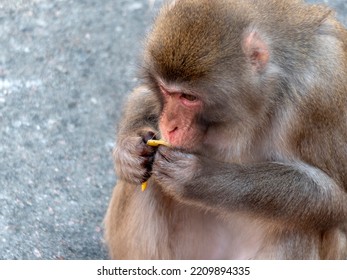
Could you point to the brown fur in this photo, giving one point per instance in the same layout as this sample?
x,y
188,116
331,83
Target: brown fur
x,y
264,173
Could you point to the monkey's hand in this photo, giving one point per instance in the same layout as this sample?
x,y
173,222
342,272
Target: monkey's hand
x,y
174,170
133,158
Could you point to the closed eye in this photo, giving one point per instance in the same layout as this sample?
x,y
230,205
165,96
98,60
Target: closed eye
x,y
188,97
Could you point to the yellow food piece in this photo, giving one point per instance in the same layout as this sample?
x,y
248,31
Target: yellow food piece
x,y
144,186
154,143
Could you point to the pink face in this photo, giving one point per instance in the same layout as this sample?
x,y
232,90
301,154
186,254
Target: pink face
x,y
177,122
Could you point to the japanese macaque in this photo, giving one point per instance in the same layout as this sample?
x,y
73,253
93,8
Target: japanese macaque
x,y
252,98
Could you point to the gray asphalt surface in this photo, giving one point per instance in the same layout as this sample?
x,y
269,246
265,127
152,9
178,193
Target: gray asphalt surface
x,y
65,68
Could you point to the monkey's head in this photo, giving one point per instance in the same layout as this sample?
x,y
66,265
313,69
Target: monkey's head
x,y
209,65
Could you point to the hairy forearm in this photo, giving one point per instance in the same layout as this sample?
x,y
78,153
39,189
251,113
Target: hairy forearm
x,y
271,189
140,113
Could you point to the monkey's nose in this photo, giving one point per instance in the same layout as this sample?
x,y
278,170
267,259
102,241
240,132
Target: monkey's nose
x,y
171,134
173,130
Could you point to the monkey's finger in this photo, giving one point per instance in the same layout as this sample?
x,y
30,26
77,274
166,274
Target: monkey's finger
x,y
142,148
148,162
152,145
149,135
165,154
170,151
145,150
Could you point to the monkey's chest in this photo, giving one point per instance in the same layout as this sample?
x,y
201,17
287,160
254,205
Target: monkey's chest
x,y
195,234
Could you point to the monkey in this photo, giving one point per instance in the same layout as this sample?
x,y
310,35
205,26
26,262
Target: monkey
x,y
252,98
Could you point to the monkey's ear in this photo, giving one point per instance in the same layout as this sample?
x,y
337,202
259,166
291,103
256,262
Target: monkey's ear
x,y
256,50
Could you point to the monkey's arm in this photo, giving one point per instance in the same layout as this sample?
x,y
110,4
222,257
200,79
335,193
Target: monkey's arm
x,y
133,158
141,112
296,194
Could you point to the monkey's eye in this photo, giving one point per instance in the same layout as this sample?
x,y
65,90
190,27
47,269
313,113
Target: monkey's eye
x,y
188,97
